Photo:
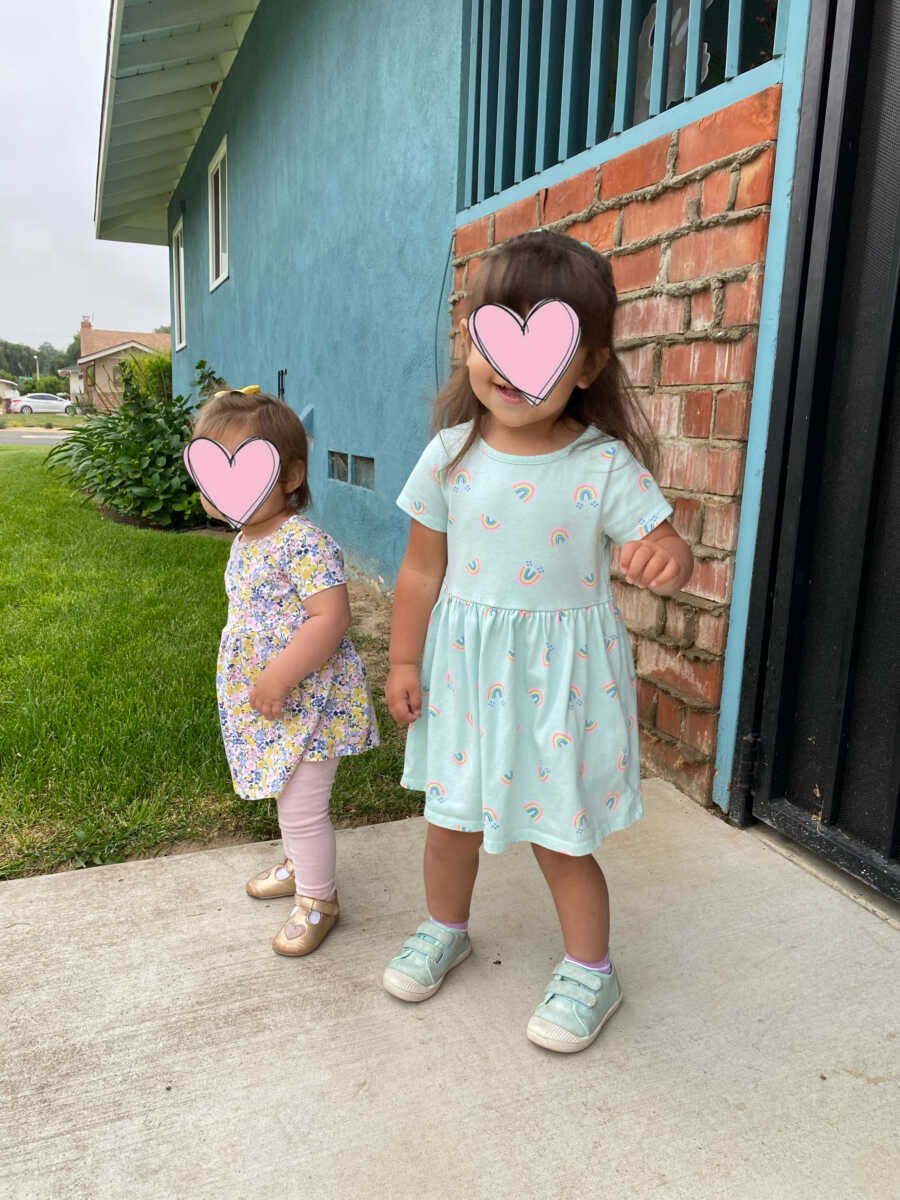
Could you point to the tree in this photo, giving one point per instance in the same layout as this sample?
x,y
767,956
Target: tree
x,y
163,329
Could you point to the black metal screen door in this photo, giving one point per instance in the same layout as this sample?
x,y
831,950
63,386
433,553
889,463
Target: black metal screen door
x,y
819,743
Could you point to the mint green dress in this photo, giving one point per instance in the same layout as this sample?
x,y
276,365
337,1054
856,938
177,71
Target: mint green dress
x,y
529,723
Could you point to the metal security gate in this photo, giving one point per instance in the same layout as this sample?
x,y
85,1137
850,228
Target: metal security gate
x,y
818,753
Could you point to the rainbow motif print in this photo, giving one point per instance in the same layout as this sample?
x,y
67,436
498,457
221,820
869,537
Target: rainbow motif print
x,y
436,791
580,822
610,642
644,481
589,580
584,494
543,773
631,721
489,523
461,757
547,654
591,726
537,697
622,760
524,490
583,770
436,474
417,506
459,643
612,801
462,481
560,740
559,536
473,566
511,655
433,710
575,697
469,720
611,690
495,694
489,816
450,681
533,810
561,615
529,574
608,453
507,777
645,527
582,652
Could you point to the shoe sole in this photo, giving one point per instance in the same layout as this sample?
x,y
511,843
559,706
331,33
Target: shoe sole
x,y
270,895
390,981
535,1034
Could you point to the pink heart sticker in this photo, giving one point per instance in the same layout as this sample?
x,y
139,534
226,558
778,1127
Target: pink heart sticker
x,y
533,354
236,484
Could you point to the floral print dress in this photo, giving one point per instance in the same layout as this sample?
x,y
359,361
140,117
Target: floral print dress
x,y
329,713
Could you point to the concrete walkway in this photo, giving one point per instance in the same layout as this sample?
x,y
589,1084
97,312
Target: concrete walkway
x,y
152,1045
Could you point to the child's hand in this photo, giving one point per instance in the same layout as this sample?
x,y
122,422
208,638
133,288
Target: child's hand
x,y
661,561
403,692
268,693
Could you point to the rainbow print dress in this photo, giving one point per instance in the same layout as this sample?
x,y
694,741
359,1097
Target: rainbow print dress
x,y
529,718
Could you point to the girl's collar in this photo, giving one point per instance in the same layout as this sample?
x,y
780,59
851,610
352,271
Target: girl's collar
x,y
501,456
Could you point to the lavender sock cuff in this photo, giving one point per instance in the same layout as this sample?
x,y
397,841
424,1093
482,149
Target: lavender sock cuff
x,y
603,965
460,927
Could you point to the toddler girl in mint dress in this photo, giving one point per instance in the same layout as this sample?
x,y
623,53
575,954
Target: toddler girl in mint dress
x,y
509,657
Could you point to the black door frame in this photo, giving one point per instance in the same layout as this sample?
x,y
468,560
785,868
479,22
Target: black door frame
x,y
823,190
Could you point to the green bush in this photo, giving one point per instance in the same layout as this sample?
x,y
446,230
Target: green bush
x,y
130,458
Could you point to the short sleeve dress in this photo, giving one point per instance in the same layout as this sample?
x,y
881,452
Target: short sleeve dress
x,y
529,725
328,714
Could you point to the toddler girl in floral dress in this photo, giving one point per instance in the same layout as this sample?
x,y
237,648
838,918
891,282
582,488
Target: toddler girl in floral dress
x,y
292,691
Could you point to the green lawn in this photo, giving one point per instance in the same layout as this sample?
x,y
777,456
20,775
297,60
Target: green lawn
x,y
109,734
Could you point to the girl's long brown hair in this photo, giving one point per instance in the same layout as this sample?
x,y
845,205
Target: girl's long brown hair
x,y
539,266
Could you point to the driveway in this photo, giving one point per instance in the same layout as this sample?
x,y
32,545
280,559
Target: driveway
x,y
33,437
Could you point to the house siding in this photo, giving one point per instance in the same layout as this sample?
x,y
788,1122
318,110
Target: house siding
x,y
342,157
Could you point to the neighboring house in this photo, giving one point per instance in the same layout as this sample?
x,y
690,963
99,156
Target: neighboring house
x,y
316,170
101,352
8,389
76,380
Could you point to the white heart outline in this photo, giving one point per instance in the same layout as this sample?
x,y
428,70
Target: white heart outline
x,y
276,471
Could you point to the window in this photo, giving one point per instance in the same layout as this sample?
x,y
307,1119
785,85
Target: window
x,y
218,217
178,283
337,466
363,471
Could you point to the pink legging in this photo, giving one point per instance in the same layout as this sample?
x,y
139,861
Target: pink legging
x,y
306,828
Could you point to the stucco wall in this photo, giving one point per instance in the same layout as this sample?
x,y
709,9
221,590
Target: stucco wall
x,y
342,148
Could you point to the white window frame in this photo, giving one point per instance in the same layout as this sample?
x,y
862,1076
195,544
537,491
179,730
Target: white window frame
x,y
178,302
218,270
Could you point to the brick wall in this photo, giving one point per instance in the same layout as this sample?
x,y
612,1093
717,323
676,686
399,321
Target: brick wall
x,y
684,220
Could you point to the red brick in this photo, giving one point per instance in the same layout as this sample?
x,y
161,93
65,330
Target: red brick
x,y
720,525
697,414
682,465
730,129
679,622
725,471
712,632
720,248
647,218
668,715
709,362
711,579
571,196
646,700
472,237
638,364
702,309
458,273
663,411
639,607
732,415
632,271
742,301
687,518
755,186
517,218
598,230
716,193
666,760
638,169
699,678
700,730
472,268
649,316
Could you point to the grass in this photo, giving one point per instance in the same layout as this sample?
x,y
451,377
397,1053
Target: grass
x,y
109,735
41,420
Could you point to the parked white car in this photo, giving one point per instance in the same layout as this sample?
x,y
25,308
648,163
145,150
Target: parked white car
x,y
38,402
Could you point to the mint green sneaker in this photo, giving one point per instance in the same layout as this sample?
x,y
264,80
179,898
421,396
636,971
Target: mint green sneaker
x,y
419,969
577,1005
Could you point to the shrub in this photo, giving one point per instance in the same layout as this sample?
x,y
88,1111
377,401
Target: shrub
x,y
130,458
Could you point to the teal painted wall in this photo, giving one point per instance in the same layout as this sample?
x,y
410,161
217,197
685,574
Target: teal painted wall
x,y
342,125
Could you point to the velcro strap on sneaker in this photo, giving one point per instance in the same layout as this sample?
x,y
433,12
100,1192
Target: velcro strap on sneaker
x,y
431,929
571,988
424,946
329,908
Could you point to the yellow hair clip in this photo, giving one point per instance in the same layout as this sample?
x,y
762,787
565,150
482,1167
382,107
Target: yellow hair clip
x,y
252,389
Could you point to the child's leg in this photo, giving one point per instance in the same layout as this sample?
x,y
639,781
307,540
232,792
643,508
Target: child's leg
x,y
306,828
451,864
582,902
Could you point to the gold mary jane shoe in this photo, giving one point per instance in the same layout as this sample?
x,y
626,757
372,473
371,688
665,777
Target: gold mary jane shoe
x,y
271,883
300,934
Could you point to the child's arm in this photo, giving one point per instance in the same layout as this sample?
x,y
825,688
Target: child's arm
x,y
418,584
662,560
311,646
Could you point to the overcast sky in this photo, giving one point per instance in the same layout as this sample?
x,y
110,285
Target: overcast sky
x,y
52,270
